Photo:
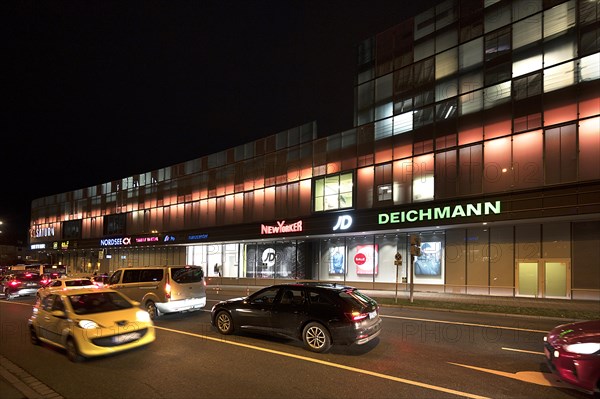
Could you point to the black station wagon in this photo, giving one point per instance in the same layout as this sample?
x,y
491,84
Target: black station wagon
x,y
317,314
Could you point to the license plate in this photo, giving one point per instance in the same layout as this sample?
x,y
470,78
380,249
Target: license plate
x,y
373,314
120,339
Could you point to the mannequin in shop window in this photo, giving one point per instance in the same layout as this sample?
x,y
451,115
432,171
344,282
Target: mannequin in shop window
x,y
217,269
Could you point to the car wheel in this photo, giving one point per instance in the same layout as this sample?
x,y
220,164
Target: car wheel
x,y
152,310
224,323
316,337
33,336
72,351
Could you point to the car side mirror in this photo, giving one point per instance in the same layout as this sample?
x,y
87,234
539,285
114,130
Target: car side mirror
x,y
135,303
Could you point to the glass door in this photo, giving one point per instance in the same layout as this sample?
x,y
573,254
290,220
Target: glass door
x,y
543,278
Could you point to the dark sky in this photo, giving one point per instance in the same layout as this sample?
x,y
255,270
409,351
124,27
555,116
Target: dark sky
x,y
100,90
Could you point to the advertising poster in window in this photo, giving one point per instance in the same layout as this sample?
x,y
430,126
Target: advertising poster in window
x,y
430,261
336,261
366,259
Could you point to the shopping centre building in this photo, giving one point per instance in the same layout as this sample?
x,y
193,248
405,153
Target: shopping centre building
x,y
476,134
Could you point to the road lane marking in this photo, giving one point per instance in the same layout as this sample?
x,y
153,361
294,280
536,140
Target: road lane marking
x,y
533,377
466,324
523,351
329,364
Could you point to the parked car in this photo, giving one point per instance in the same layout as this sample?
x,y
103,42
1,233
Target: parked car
x,y
21,284
162,289
90,322
317,314
65,284
573,354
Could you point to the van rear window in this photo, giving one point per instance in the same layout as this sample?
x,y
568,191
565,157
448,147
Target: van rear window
x,y
184,275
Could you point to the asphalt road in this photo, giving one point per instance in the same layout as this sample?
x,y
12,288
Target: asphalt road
x,y
420,354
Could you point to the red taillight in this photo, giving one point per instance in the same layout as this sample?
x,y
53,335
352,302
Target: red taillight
x,y
15,283
357,316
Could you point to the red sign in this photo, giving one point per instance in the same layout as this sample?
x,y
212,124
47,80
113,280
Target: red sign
x,y
360,259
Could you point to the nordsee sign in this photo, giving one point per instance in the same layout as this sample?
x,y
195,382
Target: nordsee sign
x,y
442,212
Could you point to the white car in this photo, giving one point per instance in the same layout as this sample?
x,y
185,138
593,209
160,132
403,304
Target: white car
x,y
64,284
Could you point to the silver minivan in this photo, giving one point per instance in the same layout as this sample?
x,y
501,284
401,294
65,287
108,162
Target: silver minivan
x,y
162,289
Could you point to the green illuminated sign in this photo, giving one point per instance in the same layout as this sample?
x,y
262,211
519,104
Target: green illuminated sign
x,y
442,212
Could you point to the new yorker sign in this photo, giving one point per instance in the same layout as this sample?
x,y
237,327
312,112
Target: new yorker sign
x,y
441,212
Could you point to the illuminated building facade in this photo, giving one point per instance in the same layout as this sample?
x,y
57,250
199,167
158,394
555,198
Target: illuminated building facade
x,y
477,132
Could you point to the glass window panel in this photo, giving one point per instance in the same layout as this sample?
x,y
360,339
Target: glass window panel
x,y
423,180
384,110
470,54
424,72
497,17
589,67
403,122
559,50
445,14
446,110
383,128
589,149
471,102
470,168
524,8
589,12
527,31
383,88
446,63
559,76
558,19
424,23
497,44
424,49
590,42
527,86
471,81
560,155
496,94
365,95
445,90
423,117
527,62
445,40
497,167
527,159
424,98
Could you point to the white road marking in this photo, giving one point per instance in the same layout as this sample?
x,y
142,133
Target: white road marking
x,y
329,364
466,324
523,351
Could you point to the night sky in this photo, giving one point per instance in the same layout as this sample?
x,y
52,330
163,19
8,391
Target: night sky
x,y
96,91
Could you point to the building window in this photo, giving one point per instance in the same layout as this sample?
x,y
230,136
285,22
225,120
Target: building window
x,y
384,192
114,224
71,229
333,192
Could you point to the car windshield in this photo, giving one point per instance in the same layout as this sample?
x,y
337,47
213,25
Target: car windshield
x,y
98,302
28,277
187,274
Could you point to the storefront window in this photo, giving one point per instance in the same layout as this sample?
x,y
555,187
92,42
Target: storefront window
x,y
333,192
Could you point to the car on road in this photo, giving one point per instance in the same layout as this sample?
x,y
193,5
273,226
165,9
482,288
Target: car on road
x,y
90,322
65,284
100,279
21,284
573,354
317,314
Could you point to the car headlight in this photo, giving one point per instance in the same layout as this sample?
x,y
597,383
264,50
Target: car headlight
x,y
87,324
586,348
142,315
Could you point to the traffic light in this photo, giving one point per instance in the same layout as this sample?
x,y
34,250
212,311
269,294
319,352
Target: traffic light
x,y
415,245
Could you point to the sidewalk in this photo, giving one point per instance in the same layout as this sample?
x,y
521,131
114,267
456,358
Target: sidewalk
x,y
521,302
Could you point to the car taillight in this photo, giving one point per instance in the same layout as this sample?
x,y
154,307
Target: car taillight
x,y
168,287
357,316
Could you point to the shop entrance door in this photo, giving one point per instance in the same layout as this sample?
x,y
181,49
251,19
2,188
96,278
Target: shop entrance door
x,y
543,278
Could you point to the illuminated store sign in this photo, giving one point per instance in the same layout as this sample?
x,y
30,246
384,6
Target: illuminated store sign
x,y
64,245
38,246
343,223
146,239
443,212
281,228
42,232
115,242
194,237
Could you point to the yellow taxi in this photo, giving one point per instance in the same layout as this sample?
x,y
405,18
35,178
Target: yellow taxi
x,y
90,322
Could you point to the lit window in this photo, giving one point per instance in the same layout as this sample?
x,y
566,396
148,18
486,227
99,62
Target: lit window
x,y
333,192
384,192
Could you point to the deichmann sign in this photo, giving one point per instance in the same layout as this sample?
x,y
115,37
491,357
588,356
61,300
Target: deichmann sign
x,y
442,212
